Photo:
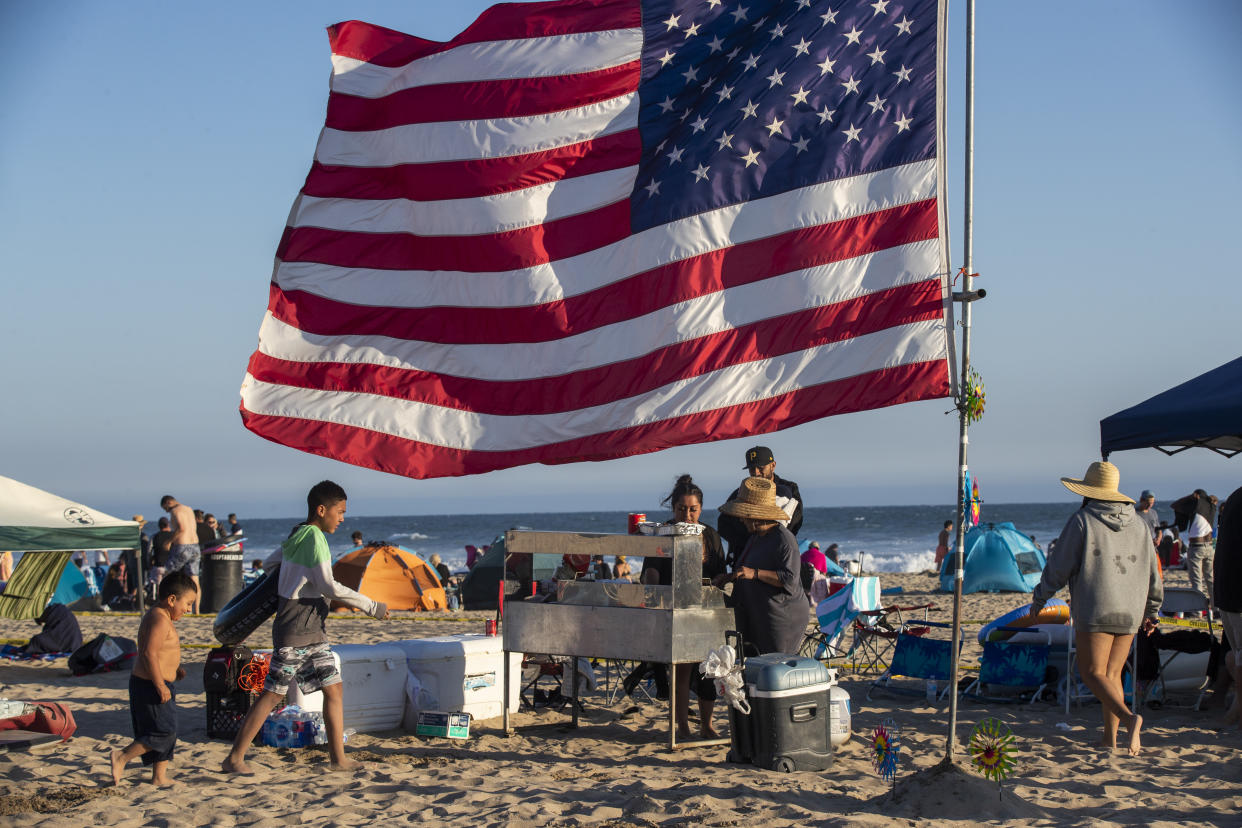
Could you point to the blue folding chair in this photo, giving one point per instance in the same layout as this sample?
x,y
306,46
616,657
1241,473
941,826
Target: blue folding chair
x,y
1021,665
919,657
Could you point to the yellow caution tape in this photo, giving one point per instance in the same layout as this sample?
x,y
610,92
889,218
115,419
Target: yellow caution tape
x,y
1193,623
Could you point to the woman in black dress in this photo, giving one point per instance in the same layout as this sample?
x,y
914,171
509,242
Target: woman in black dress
x,y
769,604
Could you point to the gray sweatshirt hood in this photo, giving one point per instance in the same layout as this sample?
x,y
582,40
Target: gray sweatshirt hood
x,y
1113,514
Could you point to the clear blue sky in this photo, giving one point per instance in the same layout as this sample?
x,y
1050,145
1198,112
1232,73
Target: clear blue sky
x,y
151,151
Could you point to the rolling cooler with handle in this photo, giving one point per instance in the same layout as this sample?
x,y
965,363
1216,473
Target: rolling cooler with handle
x,y
789,727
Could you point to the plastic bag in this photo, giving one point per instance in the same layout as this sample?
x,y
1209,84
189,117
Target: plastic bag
x,y
721,665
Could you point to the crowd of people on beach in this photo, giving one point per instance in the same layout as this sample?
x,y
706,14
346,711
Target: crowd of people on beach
x,y
1110,554
116,582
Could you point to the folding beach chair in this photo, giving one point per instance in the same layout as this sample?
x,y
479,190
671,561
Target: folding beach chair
x,y
835,615
1072,689
544,680
876,631
920,657
1021,665
1179,662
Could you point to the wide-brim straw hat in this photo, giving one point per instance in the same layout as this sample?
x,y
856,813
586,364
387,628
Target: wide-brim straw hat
x,y
756,499
1099,483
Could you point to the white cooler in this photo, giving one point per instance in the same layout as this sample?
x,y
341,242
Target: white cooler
x,y
373,676
462,674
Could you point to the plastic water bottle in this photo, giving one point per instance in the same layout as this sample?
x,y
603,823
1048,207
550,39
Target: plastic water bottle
x,y
838,716
931,691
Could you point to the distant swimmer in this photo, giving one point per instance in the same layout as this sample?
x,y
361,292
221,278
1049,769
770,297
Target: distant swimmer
x,y
185,555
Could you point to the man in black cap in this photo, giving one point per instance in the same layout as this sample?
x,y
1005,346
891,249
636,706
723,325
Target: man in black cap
x,y
760,463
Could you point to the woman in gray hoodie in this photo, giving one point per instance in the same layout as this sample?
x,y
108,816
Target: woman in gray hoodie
x,y
1106,556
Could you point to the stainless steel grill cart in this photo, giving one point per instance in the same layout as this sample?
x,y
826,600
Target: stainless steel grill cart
x,y
665,624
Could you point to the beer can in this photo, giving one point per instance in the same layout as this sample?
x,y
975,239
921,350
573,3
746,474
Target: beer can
x,y
635,519
490,628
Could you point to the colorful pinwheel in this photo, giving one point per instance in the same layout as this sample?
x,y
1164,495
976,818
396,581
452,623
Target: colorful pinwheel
x,y
992,749
974,397
885,747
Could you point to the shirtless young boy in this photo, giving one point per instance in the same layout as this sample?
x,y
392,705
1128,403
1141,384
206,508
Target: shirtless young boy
x,y
299,631
152,700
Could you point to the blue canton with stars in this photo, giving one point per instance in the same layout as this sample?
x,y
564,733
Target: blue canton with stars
x,y
742,99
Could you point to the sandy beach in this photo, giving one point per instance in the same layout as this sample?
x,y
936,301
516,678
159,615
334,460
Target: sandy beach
x,y
615,770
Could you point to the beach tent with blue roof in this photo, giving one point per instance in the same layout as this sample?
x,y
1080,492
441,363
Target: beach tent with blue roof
x,y
1205,411
999,558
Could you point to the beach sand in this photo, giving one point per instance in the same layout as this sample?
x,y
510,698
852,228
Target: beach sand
x,y
614,770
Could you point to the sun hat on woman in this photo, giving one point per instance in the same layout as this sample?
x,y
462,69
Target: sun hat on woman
x,y
756,499
1099,483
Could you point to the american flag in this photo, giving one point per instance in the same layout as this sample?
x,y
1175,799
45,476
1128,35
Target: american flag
x,y
585,229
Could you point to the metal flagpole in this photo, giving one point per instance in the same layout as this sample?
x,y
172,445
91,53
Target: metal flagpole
x,y
967,296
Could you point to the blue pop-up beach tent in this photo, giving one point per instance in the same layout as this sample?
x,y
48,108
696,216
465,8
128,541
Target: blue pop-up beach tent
x,y
1205,411
999,558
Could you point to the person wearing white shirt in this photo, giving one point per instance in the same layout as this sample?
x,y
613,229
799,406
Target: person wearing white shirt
x,y
1199,554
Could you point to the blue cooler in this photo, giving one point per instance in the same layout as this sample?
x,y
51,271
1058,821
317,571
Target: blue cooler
x,y
789,727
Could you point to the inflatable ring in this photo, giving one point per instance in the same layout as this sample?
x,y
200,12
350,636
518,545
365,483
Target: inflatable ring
x,y
248,609
1055,611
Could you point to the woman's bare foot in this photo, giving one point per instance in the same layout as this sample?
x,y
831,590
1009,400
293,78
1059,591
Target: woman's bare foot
x,y
1136,725
345,765
707,732
118,766
684,734
166,782
231,765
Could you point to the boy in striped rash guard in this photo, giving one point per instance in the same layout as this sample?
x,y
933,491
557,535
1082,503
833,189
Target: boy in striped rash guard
x,y
299,631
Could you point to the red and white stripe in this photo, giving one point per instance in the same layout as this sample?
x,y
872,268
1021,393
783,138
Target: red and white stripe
x,y
459,290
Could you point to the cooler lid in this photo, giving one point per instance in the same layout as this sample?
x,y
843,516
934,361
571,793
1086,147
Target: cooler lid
x,y
450,646
351,653
780,671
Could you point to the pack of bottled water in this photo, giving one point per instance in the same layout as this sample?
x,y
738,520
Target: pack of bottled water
x,y
291,727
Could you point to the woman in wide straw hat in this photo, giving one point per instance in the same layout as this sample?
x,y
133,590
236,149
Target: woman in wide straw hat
x,y
1106,556
769,604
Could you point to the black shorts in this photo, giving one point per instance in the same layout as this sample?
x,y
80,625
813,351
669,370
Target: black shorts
x,y
155,724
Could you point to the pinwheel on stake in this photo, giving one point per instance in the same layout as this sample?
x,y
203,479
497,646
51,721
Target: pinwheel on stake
x,y
885,747
992,749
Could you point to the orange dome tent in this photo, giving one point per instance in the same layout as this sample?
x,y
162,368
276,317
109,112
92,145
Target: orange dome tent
x,y
396,576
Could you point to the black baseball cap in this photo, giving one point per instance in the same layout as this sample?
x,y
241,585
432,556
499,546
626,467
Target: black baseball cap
x,y
758,457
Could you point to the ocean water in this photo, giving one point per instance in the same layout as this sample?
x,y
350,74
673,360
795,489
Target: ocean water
x,y
893,538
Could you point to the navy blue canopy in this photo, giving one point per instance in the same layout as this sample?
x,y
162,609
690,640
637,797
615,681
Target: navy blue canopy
x,y
1205,411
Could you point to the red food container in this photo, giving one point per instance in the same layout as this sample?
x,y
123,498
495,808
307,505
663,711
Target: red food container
x,y
635,519
490,629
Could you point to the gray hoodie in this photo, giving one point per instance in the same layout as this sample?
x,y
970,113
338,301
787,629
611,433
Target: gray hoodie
x,y
1106,556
